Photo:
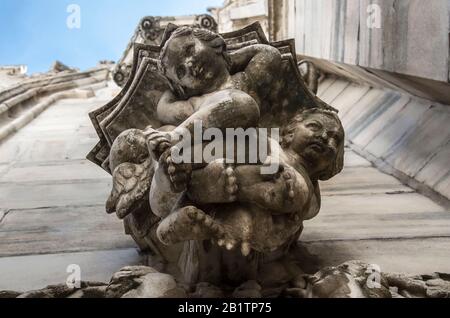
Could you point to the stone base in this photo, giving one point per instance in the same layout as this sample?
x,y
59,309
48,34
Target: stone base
x,y
352,279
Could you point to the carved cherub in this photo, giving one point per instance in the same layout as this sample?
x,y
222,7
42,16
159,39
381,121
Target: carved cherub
x,y
244,208
221,89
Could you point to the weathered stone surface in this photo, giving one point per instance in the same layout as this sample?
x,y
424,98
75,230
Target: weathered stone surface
x,y
234,15
335,90
436,173
143,282
405,135
250,289
23,231
362,180
353,279
63,291
58,66
90,292
392,255
126,279
9,294
207,290
23,102
388,35
349,97
156,285
376,124
34,271
354,160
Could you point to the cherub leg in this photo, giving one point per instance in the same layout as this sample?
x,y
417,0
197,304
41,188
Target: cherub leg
x,y
229,108
188,223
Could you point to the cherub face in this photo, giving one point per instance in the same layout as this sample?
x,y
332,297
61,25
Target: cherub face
x,y
317,140
192,64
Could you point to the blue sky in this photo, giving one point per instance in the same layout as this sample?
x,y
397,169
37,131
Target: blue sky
x,y
35,32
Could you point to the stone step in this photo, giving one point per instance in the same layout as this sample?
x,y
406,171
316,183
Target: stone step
x,y
362,180
414,256
60,230
33,272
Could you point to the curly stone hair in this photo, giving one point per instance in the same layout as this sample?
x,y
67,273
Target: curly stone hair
x,y
338,164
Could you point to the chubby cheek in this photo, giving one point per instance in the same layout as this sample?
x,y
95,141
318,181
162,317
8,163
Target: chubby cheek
x,y
302,138
333,144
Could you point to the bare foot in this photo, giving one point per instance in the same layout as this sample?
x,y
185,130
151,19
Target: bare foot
x,y
157,142
189,223
179,174
216,183
231,244
275,192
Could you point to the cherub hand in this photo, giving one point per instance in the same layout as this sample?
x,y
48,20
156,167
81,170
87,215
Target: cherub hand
x,y
157,142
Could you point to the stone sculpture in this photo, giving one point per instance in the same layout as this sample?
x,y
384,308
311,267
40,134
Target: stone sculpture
x,y
217,221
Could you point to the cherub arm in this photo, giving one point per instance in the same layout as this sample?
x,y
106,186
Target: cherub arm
x,y
229,108
260,62
225,109
171,111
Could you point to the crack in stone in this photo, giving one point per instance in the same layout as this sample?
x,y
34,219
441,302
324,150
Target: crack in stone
x,y
3,214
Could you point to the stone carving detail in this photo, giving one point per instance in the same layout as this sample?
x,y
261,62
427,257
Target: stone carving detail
x,y
311,74
150,31
216,221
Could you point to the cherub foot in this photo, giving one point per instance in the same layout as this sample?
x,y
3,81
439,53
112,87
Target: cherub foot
x,y
230,182
276,191
231,244
179,173
225,180
216,183
157,142
280,192
186,224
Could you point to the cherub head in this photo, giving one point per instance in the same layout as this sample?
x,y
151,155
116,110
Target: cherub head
x,y
195,61
317,136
